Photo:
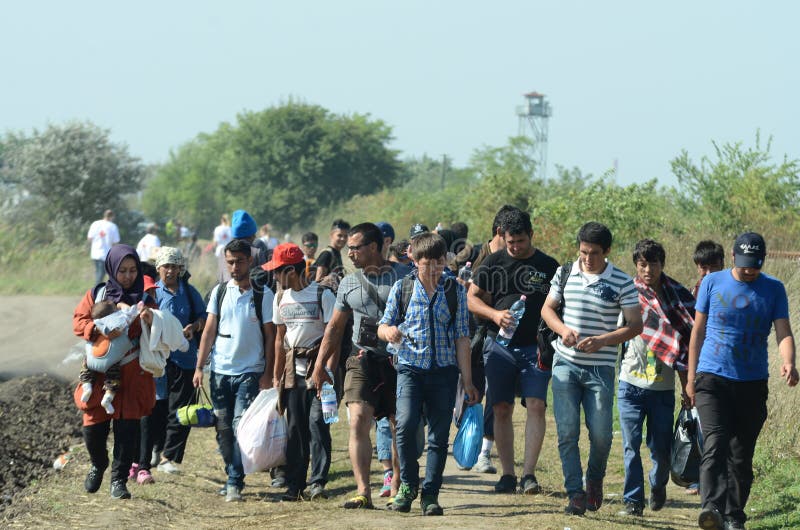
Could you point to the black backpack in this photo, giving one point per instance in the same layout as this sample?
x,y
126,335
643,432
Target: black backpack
x,y
258,299
544,335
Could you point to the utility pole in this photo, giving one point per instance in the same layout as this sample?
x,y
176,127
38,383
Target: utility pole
x,y
444,169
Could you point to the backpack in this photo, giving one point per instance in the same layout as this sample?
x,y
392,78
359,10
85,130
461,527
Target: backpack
x,y
544,335
407,289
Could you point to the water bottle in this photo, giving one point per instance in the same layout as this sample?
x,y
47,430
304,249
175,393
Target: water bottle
x,y
465,272
517,310
330,408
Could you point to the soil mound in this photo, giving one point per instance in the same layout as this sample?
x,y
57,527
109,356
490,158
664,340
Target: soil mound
x,y
38,422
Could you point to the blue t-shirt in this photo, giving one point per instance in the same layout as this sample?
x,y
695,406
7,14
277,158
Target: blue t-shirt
x,y
177,304
740,317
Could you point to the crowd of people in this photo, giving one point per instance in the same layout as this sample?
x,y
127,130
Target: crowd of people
x,y
401,335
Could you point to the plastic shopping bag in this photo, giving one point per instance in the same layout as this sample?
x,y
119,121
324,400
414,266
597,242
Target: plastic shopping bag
x,y
467,445
262,433
685,461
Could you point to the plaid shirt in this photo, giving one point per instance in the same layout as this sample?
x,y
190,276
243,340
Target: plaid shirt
x,y
424,346
667,325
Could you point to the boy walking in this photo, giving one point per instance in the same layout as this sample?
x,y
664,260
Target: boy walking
x,y
432,343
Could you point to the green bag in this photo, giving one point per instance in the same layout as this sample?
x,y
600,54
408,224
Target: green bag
x,y
199,415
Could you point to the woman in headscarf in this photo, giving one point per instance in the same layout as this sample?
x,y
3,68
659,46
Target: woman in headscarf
x,y
136,395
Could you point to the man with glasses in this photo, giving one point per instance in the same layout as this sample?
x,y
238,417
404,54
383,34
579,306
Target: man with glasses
x,y
370,381
309,244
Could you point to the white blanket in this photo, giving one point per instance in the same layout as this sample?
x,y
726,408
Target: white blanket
x,y
158,340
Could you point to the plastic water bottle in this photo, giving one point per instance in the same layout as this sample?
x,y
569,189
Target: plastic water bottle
x,y
330,408
465,272
517,310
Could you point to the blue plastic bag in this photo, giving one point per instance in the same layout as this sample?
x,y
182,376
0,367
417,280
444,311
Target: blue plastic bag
x,y
467,445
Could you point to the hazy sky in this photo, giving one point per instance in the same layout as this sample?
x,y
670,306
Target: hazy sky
x,y
632,81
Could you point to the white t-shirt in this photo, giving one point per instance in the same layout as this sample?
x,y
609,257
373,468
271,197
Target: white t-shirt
x,y
239,345
300,312
104,235
222,236
147,245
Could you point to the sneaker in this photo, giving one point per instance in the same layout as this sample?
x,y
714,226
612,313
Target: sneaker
x,y
577,505
132,471
291,495
233,494
144,477
430,505
632,509
316,491
94,478
168,466
529,485
733,524
223,490
405,496
484,465
594,495
658,496
119,490
710,519
386,489
279,482
506,484
155,458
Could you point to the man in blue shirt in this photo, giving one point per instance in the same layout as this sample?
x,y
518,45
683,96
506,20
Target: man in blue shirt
x,y
432,347
727,377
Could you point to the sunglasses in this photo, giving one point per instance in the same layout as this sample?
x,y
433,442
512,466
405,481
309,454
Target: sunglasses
x,y
310,245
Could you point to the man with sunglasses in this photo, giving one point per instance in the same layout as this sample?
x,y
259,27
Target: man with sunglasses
x,y
309,244
370,380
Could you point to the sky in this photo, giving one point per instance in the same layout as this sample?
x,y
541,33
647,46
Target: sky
x,y
629,81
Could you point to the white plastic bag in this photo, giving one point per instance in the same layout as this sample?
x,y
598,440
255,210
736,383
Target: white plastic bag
x,y
262,433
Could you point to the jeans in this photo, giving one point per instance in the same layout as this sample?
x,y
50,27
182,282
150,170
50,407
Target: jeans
x,y
657,407
230,396
309,437
731,416
383,439
99,270
435,391
593,388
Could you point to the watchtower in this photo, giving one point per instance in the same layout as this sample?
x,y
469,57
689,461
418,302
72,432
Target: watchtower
x,y
533,122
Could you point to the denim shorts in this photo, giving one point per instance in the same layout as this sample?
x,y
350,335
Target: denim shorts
x,y
509,369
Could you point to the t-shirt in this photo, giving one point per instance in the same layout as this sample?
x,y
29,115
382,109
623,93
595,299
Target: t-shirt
x,y
592,304
331,259
147,245
740,317
178,305
300,312
506,279
104,234
354,295
239,345
222,236
640,367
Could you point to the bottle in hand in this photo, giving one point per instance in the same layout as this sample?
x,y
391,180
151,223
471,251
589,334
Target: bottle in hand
x,y
517,310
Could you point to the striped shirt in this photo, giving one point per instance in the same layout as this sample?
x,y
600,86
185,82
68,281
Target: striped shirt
x,y
592,304
427,346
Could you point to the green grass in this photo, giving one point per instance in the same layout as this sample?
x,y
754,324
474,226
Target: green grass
x,y
775,498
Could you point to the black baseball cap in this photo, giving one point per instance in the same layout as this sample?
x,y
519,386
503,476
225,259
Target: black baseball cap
x,y
749,250
417,229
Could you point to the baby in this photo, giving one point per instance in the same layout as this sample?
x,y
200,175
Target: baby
x,y
87,377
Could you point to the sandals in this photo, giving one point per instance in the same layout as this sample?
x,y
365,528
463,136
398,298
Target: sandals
x,y
359,502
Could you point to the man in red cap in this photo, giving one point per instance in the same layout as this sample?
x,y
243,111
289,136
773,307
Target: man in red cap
x,y
301,310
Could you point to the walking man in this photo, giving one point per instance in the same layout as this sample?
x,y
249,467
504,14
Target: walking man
x,y
585,359
103,234
728,371
239,336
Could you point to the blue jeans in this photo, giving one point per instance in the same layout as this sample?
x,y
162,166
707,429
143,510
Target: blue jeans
x,y
435,390
657,406
99,270
593,387
383,439
230,396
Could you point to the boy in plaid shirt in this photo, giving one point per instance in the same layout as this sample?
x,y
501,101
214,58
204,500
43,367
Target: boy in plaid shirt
x,y
432,347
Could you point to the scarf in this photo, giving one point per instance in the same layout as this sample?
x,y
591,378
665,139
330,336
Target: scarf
x,y
114,291
667,323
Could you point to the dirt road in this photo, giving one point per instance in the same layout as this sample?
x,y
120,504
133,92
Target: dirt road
x,y
36,336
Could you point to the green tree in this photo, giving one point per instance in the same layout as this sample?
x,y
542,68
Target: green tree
x,y
65,176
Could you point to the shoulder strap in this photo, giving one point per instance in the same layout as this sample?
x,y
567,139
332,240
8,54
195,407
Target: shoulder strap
x,y
451,293
406,290
258,300
566,268
100,292
372,293
320,292
221,290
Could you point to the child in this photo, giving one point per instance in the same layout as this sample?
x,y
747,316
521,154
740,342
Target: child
x,y
709,257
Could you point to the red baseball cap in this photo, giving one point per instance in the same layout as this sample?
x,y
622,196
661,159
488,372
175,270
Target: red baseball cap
x,y
284,254
149,282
